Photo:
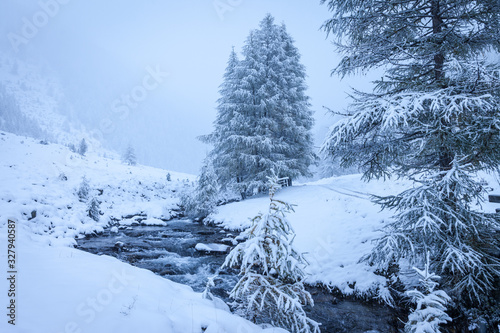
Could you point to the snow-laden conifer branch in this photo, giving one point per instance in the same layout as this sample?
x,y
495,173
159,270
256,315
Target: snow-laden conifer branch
x,y
430,309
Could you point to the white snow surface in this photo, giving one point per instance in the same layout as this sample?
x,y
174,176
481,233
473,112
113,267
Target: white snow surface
x,y
213,247
46,178
62,289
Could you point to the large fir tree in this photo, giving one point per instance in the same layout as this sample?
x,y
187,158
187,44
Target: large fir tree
x,y
230,128
264,117
433,118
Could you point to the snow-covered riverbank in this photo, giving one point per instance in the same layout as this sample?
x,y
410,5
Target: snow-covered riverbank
x,y
60,289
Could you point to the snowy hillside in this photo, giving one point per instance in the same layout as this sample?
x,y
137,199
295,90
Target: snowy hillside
x,y
40,183
334,222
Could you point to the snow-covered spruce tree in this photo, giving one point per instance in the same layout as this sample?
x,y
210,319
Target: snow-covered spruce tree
x,y
83,147
203,200
430,311
129,156
93,209
433,118
72,147
271,270
83,190
264,117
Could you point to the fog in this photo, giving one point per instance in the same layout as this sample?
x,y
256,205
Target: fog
x,y
146,73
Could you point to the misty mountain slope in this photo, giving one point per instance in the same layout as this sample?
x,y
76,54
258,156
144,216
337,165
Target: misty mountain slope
x,y
35,96
335,223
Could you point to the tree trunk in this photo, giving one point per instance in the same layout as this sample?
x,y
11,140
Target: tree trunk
x,y
445,158
437,28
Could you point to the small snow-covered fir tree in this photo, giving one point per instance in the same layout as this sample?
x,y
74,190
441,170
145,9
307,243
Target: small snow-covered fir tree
x,y
430,311
72,147
93,209
129,156
83,190
83,147
271,270
203,200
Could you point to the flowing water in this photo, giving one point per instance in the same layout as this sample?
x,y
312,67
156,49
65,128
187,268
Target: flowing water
x,y
170,251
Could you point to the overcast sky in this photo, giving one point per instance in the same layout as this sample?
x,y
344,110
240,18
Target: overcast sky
x,y
104,50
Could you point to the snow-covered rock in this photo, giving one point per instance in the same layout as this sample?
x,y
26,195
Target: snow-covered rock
x,y
212,247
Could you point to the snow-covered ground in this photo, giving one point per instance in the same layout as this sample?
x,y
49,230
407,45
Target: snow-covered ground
x,y
335,224
61,289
